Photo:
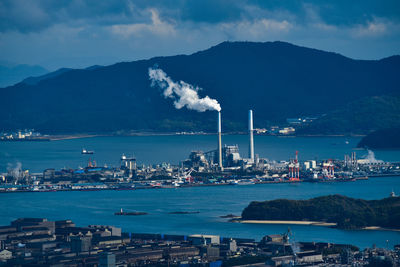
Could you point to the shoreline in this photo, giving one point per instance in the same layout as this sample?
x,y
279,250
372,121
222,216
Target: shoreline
x,y
311,223
314,223
378,228
70,137
115,187
123,189
79,136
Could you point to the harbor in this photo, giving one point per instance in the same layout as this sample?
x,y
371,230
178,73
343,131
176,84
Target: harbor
x,y
317,160
231,193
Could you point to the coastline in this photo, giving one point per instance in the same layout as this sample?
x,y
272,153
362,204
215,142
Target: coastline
x,y
378,228
142,187
69,137
314,223
79,136
137,188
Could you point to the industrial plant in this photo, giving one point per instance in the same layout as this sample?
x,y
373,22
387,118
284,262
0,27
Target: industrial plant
x,y
227,157
221,166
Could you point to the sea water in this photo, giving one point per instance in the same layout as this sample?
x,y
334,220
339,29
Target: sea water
x,y
98,207
37,156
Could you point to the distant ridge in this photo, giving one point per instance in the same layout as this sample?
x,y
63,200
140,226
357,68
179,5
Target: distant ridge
x,y
37,79
277,80
10,75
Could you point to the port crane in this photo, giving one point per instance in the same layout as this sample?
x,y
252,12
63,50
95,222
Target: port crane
x,y
294,169
182,177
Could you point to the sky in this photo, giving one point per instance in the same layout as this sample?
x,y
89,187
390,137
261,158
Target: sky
x,y
82,33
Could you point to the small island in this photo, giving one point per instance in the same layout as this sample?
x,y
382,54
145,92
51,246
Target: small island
x,y
131,213
333,210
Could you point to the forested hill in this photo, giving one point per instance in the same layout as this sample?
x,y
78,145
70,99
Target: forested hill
x,y
277,80
362,116
382,139
347,212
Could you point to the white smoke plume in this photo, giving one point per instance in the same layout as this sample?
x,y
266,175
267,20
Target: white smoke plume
x,y
184,94
16,171
371,157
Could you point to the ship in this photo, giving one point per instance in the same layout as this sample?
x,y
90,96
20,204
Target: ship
x,y
242,182
84,151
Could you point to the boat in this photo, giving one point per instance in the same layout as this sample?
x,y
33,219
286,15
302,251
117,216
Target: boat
x,y
84,151
134,213
242,182
155,184
176,184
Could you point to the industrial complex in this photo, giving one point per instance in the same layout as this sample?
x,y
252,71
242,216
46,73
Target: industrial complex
x,y
222,166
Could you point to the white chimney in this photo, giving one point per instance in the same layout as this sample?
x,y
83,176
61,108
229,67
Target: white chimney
x,y
219,142
251,140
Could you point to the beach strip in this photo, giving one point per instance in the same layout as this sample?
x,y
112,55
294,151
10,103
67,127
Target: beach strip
x,y
287,222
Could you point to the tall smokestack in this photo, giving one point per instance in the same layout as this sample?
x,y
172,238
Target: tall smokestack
x,y
219,142
251,140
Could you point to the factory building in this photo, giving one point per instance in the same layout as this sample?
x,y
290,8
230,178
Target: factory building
x,y
197,160
204,239
129,165
230,156
226,156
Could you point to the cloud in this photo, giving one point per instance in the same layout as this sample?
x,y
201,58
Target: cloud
x,y
156,27
79,33
28,16
371,29
23,16
37,15
260,29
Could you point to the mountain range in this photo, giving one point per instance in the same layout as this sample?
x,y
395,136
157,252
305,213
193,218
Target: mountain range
x,y
277,80
10,74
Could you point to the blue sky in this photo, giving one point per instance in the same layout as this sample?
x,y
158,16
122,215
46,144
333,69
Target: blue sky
x,y
81,33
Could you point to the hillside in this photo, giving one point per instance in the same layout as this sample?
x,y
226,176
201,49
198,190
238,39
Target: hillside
x,y
347,212
276,79
382,139
359,117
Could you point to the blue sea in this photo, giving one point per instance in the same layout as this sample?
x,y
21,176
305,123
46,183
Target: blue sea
x,y
37,156
98,207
